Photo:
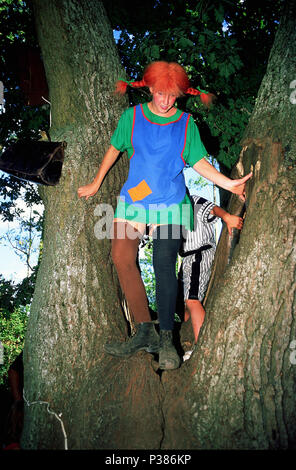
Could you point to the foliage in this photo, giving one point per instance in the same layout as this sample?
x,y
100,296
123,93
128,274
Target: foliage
x,y
14,295
12,333
18,121
17,29
15,302
147,271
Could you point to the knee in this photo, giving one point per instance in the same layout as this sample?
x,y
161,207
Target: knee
x,y
122,260
190,302
118,256
193,306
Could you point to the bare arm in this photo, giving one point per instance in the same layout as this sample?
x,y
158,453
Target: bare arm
x,y
237,186
108,160
232,221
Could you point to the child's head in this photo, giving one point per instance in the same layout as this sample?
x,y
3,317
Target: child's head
x,y
166,77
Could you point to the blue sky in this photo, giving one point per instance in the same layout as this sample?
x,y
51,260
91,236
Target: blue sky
x,y
11,266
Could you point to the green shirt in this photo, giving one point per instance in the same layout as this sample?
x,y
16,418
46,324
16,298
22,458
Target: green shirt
x,y
180,214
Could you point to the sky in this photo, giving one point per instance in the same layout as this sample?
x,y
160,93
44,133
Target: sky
x,y
11,266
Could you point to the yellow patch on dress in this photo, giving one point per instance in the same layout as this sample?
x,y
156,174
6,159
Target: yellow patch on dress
x,y
140,191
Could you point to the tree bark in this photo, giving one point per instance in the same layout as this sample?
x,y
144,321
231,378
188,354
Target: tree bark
x,y
238,389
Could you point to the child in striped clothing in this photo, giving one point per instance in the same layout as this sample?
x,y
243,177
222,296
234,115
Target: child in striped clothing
x,y
198,251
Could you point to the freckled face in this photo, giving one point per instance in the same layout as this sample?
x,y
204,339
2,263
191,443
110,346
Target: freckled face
x,y
162,103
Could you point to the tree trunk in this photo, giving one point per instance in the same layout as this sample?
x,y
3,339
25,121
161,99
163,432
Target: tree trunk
x,y
238,389
77,301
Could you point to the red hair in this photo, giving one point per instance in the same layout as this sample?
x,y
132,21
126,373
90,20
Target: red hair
x,y
168,77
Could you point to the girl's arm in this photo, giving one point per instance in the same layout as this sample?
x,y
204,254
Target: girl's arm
x,y
237,186
232,221
108,160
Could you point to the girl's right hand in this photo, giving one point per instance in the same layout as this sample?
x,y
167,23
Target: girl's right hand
x,y
108,160
87,190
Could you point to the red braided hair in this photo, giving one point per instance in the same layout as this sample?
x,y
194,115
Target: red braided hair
x,y
168,77
121,85
206,98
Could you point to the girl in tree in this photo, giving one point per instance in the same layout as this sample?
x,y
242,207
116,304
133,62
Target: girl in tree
x,y
160,140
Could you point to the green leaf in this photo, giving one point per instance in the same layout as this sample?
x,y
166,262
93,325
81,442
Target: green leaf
x,y
155,52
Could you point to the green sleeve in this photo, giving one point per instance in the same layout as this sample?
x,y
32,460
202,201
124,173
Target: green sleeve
x,y
194,148
121,138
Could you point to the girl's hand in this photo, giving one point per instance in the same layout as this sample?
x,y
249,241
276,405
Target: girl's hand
x,y
238,186
208,171
108,160
233,221
87,190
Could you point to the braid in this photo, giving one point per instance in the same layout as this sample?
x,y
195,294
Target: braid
x,y
206,97
138,84
121,85
192,91
168,77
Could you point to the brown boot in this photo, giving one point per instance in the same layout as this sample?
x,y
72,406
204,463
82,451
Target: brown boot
x,y
168,356
146,338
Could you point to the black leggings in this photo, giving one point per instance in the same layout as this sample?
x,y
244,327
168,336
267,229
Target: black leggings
x,y
166,244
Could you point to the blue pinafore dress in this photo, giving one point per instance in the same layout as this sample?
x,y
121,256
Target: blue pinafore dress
x,y
155,179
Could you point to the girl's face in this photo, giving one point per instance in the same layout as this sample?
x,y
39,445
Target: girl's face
x,y
162,103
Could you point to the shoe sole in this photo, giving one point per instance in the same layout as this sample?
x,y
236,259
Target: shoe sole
x,y
169,366
152,350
